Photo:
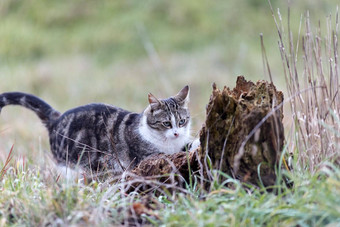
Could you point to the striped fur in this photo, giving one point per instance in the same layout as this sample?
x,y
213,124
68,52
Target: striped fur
x,y
104,137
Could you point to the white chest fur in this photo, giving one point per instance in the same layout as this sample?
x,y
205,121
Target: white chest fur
x,y
166,142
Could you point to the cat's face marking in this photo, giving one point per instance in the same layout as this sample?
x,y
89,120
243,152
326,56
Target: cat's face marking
x,y
167,121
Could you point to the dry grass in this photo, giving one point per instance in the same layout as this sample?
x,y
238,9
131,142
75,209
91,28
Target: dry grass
x,y
311,70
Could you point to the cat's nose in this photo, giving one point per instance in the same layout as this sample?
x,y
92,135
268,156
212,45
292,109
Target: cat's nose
x,y
176,134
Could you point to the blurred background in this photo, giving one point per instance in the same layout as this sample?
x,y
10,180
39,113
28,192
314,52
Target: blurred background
x,y
71,53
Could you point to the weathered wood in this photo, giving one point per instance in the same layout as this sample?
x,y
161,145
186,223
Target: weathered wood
x,y
238,138
242,137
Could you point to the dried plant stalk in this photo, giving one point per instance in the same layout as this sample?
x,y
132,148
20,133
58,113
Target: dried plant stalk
x,y
312,78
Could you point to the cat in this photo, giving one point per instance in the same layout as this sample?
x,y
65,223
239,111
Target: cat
x,y
100,137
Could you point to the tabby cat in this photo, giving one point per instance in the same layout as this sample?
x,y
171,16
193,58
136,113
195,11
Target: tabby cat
x,y
104,137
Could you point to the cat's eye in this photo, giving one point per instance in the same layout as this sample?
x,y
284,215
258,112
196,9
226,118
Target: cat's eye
x,y
166,124
181,122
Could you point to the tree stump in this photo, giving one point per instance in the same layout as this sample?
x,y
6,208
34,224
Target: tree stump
x,y
243,133
242,136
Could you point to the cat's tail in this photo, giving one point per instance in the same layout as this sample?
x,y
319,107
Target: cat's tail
x,y
44,111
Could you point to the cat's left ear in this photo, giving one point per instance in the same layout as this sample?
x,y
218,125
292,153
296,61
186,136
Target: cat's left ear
x,y
183,96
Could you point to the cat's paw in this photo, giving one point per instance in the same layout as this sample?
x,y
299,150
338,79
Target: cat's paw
x,y
195,144
192,146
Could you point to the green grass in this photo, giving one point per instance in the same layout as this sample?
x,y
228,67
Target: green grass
x,y
312,202
32,196
76,52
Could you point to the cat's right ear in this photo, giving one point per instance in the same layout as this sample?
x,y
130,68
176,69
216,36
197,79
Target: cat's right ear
x,y
153,101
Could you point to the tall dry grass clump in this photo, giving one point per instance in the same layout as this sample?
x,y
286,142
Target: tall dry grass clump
x,y
311,69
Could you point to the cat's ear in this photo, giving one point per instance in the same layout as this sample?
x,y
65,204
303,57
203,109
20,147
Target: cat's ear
x,y
154,102
183,96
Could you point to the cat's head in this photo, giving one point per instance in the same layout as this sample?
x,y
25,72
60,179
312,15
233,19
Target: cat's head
x,y
169,117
